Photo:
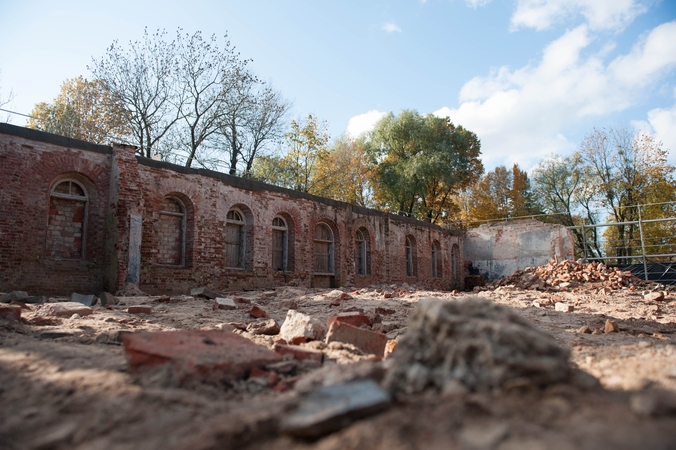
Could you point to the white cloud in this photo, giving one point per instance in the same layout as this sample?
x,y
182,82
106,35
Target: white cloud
x,y
598,14
662,124
363,123
476,3
391,27
519,114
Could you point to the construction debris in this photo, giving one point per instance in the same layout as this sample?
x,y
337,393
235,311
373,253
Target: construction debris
x,y
567,274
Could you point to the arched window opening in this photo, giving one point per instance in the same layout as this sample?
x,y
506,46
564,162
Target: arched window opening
x,y
171,232
436,260
362,253
234,239
411,268
67,221
323,249
280,244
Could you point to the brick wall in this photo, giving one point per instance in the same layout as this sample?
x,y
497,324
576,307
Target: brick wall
x,y
59,243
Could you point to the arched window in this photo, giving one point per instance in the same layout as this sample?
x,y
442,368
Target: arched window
x,y
171,232
455,266
67,221
234,239
280,244
436,260
411,257
362,253
323,249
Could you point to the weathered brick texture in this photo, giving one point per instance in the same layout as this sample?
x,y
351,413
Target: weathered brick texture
x,y
53,245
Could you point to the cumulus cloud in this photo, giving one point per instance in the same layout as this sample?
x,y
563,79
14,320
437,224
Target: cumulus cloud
x,y
363,123
598,14
521,112
476,3
661,122
391,27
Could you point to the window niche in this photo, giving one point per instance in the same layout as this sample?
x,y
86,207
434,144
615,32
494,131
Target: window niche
x,y
362,252
323,249
67,224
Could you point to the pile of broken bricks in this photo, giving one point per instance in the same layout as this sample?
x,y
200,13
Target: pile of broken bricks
x,y
566,275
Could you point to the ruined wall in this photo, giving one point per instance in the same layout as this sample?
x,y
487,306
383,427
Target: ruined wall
x,y
53,206
207,198
497,250
80,217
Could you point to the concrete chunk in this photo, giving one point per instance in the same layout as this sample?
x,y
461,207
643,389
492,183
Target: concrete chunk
x,y
204,293
563,307
65,309
87,300
365,340
18,296
331,408
224,303
301,326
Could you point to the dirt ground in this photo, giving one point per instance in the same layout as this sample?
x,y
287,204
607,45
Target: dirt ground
x,y
66,385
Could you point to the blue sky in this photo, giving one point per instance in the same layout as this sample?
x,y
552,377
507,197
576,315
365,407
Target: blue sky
x,y
529,77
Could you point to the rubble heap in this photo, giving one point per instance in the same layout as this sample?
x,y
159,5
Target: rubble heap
x,y
569,274
473,344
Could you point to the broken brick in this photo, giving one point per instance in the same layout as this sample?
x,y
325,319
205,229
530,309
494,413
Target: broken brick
x,y
10,313
140,309
384,311
257,312
224,303
365,340
204,355
355,318
299,353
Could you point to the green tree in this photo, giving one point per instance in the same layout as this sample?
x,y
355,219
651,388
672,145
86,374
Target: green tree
x,y
419,162
501,194
84,110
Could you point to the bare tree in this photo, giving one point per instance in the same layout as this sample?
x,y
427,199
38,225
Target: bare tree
x,y
143,78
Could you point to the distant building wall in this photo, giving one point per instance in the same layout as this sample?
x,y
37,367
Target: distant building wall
x,y
498,249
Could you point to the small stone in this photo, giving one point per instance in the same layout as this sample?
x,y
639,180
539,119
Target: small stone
x,y
610,327
14,296
331,408
289,304
563,307
356,319
42,321
384,311
224,303
204,292
257,312
164,299
298,325
238,325
65,309
268,327
653,296
585,330
87,300
108,299
597,332
536,304
140,309
365,340
75,317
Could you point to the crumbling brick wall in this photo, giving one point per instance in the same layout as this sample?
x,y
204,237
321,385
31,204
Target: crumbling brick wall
x,y
81,217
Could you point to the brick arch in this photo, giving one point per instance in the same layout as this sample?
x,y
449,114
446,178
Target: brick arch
x,y
71,217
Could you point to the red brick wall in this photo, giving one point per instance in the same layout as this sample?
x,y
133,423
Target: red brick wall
x,y
30,258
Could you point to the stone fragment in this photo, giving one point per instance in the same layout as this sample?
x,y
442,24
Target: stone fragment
x,y
241,302
365,340
65,309
355,318
140,309
563,307
653,296
196,355
14,296
331,408
36,299
204,292
108,299
472,340
268,327
42,321
257,312
299,353
585,330
610,327
384,311
12,313
164,299
289,304
87,300
597,332
238,325
299,325
224,303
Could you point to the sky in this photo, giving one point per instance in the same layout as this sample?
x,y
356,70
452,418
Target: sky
x,y
529,77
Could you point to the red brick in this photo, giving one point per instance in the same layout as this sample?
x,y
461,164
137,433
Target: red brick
x,y
355,318
196,355
140,309
299,353
257,312
365,340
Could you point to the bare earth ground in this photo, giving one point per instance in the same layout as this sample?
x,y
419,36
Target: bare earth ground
x,y
66,385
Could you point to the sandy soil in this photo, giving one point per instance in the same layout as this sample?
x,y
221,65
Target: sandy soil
x,y
65,385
